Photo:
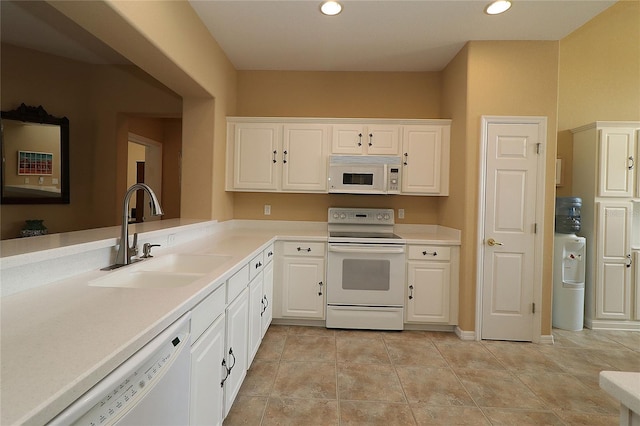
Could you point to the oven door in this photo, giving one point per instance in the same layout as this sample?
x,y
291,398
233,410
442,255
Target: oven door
x,y
365,274
357,178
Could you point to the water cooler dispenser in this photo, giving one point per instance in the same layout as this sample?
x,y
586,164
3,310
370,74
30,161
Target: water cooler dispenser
x,y
568,266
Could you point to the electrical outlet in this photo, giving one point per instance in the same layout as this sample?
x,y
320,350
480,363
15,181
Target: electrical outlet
x,y
267,209
400,213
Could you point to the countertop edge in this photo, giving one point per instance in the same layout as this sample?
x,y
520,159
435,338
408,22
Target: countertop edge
x,y
624,386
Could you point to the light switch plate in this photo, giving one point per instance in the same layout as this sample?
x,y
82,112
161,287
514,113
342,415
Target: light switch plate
x,y
267,209
400,213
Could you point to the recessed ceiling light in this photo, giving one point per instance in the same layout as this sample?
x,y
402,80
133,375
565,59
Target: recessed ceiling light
x,y
497,7
331,8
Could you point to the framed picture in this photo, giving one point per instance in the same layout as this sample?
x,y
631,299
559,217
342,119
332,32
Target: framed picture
x,y
35,163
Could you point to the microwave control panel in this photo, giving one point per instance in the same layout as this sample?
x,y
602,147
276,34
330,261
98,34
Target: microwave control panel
x,y
393,182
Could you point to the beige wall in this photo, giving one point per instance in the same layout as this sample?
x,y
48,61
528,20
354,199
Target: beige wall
x,y
517,78
336,94
91,96
599,75
167,40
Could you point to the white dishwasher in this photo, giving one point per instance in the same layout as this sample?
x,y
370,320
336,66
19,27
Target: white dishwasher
x,y
150,388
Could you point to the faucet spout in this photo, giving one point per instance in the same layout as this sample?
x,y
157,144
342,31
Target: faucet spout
x,y
126,252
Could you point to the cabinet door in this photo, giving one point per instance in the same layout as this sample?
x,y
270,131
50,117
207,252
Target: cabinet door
x,y
348,139
267,298
636,267
303,287
304,157
425,162
207,373
255,317
617,151
613,274
382,139
256,153
428,292
236,347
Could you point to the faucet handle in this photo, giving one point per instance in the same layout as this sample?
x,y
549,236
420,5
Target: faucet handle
x,y
134,247
146,250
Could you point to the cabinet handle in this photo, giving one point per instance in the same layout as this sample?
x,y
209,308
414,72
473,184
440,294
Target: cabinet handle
x,y
359,139
430,253
406,158
284,157
320,291
259,264
234,360
370,139
308,249
274,156
270,254
410,292
265,303
226,372
632,163
630,261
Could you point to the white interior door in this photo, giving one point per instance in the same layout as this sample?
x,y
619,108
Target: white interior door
x,y
509,243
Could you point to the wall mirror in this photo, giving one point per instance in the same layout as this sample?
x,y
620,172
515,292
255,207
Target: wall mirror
x,y
35,157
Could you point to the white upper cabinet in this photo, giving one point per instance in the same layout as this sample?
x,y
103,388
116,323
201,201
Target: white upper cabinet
x,y
269,156
372,139
255,150
304,157
292,154
617,158
425,159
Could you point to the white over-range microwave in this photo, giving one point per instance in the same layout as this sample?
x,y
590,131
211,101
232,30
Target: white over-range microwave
x,y
364,174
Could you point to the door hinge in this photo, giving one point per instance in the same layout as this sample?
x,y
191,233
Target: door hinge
x,y
538,147
535,228
533,308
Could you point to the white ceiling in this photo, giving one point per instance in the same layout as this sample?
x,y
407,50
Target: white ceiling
x,y
382,35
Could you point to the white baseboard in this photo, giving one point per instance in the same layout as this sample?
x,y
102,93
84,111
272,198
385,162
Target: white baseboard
x,y
612,325
465,335
546,339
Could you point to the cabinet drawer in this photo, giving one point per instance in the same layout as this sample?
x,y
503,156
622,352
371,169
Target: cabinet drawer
x,y
255,266
268,254
429,253
207,311
304,249
237,283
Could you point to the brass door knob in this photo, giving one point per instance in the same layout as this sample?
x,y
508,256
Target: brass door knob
x,y
493,242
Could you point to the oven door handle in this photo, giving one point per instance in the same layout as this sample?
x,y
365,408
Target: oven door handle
x,y
366,249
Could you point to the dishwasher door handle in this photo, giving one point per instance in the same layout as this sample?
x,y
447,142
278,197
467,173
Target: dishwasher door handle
x,y
366,249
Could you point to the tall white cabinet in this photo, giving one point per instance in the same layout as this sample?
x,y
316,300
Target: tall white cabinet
x,y
605,177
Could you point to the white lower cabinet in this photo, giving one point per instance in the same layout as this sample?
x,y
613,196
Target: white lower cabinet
x,y
256,304
237,314
303,280
432,285
267,298
207,374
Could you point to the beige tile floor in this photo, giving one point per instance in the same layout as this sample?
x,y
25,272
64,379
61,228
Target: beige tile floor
x,y
315,376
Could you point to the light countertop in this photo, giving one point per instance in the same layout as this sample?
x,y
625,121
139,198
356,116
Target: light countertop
x,y
60,339
624,386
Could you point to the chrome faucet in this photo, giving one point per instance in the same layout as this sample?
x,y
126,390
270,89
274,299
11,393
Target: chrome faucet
x,y
126,252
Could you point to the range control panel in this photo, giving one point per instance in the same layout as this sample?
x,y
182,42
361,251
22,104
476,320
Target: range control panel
x,y
357,216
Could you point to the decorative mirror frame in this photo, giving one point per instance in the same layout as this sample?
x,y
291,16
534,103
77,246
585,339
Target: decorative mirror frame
x,y
38,115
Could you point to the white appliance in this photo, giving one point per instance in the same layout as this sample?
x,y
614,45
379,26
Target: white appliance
x,y
365,270
364,174
150,388
568,281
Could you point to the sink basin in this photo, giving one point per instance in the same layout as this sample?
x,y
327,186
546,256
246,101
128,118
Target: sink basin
x,y
145,279
185,263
